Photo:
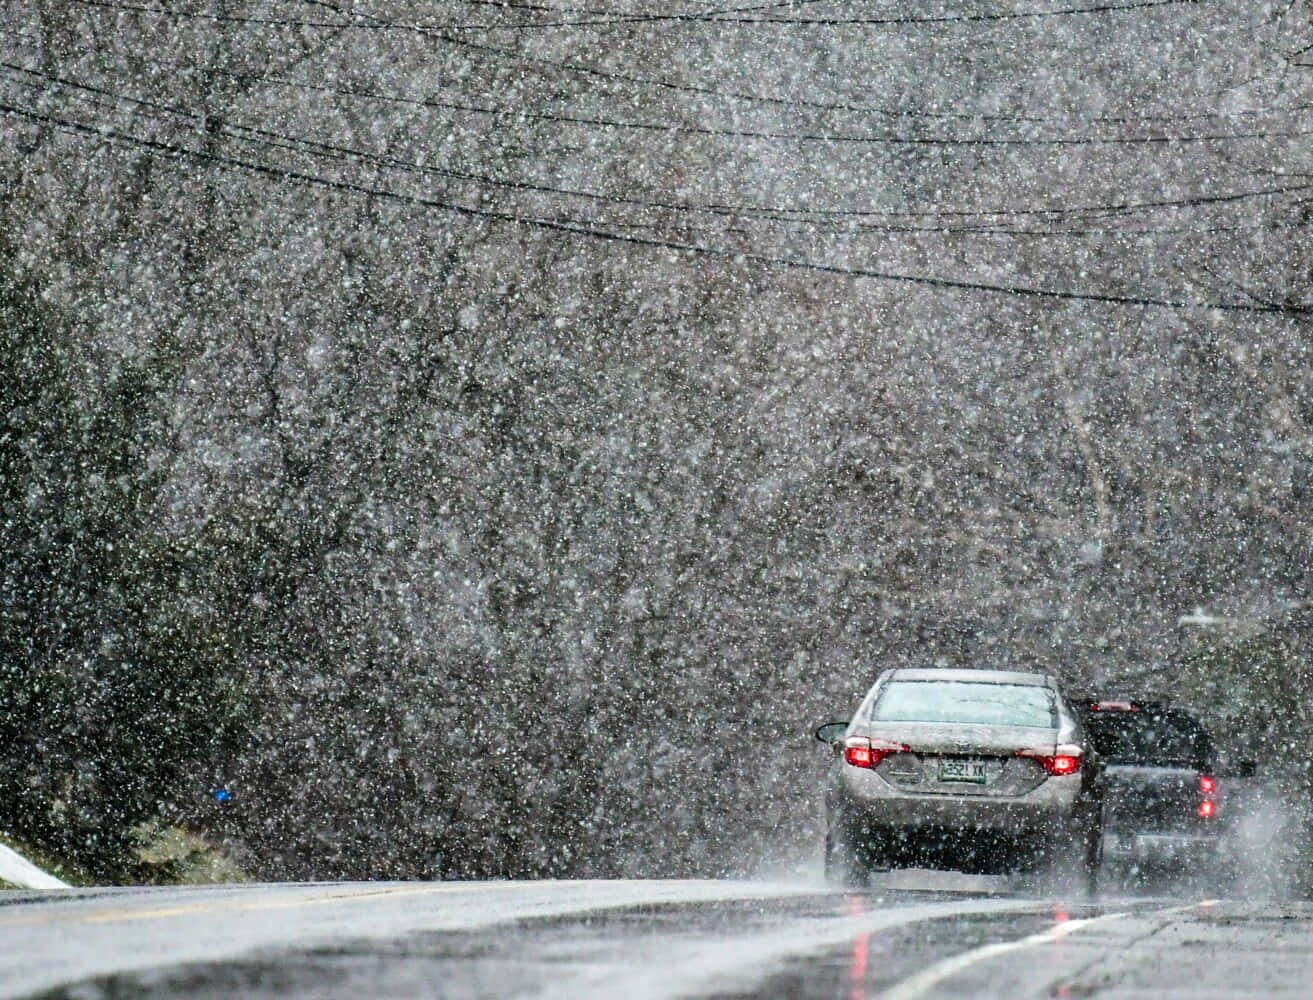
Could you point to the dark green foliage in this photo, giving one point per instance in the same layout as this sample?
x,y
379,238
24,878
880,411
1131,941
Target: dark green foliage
x,y
108,655
1251,684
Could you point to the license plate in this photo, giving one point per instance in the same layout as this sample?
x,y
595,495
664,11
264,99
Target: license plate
x,y
970,771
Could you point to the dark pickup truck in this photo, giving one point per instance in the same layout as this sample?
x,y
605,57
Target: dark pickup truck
x,y
1162,810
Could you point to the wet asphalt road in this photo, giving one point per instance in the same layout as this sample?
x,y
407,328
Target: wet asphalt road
x,y
915,936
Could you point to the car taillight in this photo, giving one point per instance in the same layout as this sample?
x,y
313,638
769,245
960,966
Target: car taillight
x,y
1207,808
861,752
1065,758
1207,783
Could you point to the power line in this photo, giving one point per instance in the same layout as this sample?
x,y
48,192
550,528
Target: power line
x,y
658,83
767,213
611,76
1108,210
299,144
613,123
545,9
1083,232
799,137
381,24
883,22
176,152
1111,8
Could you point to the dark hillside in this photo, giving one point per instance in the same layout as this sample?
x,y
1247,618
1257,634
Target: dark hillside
x,y
486,439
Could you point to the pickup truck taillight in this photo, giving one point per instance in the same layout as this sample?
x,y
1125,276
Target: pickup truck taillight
x,y
1065,758
861,752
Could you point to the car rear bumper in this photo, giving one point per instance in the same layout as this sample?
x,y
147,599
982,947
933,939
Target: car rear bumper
x,y
1158,848
870,801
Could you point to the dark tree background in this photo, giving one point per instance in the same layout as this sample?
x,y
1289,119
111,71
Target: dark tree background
x,y
488,440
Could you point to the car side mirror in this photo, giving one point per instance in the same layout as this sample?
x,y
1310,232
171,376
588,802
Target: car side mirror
x,y
832,732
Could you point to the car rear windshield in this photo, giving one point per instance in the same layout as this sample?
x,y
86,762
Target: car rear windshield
x,y
1149,738
966,702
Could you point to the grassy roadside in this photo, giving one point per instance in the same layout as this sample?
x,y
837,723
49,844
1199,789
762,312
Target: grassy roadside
x,y
170,855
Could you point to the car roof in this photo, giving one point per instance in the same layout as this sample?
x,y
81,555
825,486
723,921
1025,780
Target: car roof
x,y
980,676
1135,712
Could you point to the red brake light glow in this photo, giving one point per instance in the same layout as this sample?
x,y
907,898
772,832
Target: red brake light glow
x,y
1207,783
1064,764
857,754
861,752
1062,759
1207,808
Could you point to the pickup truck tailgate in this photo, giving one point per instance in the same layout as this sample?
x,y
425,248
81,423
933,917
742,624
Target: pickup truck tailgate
x,y
1146,799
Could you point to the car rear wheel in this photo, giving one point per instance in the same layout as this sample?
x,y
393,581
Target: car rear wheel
x,y
1081,858
1070,864
847,857
1093,860
1117,876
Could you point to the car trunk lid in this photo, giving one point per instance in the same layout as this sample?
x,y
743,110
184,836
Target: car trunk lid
x,y
963,759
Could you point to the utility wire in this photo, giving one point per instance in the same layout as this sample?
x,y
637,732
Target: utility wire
x,y
610,76
544,9
1143,121
882,22
768,213
1108,8
176,152
265,138
1098,211
380,24
798,137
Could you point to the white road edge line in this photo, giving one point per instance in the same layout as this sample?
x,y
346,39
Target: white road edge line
x,y
921,983
674,968
917,986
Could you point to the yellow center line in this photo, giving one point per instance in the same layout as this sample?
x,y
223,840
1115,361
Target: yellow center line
x,y
61,914
57,910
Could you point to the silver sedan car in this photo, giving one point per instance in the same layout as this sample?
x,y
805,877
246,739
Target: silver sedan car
x,y
972,770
